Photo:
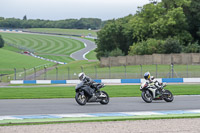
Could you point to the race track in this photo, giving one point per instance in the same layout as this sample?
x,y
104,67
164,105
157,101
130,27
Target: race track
x,y
69,105
80,55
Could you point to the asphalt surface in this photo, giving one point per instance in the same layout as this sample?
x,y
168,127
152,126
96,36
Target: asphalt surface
x,y
80,55
69,105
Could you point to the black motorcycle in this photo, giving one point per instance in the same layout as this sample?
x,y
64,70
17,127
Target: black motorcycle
x,y
150,92
90,93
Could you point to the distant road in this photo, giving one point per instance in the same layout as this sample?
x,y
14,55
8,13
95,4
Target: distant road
x,y
80,55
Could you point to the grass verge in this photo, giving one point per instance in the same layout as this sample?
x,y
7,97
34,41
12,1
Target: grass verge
x,y
35,92
93,119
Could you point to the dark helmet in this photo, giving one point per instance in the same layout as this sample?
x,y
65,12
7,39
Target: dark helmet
x,y
147,75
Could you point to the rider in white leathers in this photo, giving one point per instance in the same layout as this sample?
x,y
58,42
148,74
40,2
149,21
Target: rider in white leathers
x,y
150,79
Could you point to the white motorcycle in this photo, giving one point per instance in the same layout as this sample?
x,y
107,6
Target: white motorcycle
x,y
150,92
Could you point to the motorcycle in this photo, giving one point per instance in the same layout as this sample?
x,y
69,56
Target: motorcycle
x,y
150,92
83,93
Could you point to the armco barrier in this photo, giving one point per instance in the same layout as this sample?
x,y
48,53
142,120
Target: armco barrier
x,y
106,81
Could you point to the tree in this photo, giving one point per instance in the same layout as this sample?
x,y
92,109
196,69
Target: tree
x,y
1,42
172,45
193,18
149,46
25,18
116,34
154,21
116,52
192,48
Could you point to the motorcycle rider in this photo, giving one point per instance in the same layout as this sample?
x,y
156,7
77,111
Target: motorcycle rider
x,y
87,80
150,79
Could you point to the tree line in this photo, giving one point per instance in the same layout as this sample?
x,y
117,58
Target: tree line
x,y
1,42
169,26
82,23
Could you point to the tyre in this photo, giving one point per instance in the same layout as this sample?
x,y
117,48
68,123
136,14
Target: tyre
x,y
80,99
106,99
169,97
147,97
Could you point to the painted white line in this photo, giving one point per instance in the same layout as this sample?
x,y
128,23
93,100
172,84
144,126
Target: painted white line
x,y
9,118
85,55
73,115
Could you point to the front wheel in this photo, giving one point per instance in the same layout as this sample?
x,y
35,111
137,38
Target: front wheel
x,y
80,99
169,96
147,97
105,99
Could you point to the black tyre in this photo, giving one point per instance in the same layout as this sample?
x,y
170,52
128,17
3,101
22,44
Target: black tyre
x,y
147,97
106,99
80,99
169,97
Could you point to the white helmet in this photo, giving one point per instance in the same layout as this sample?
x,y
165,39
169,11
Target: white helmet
x,y
81,76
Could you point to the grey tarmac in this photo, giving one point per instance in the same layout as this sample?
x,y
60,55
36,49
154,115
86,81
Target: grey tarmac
x,y
69,105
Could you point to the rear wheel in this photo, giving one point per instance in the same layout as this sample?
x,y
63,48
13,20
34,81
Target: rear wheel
x,y
147,97
169,96
80,99
105,99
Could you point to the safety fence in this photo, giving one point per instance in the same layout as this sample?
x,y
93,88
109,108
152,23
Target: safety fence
x,y
95,72
107,81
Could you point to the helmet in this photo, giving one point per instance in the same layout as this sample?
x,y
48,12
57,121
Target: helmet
x,y
147,75
81,76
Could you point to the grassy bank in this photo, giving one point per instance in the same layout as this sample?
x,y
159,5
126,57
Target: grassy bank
x,y
80,32
69,92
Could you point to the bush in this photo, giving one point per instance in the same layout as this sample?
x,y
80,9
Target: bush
x,y
1,42
150,46
172,45
116,52
192,48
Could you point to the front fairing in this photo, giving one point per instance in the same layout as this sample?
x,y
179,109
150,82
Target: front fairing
x,y
143,86
79,85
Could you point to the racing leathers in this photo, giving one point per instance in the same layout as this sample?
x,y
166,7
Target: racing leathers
x,y
158,85
93,85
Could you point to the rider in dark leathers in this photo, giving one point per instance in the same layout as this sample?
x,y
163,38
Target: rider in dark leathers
x,y
87,80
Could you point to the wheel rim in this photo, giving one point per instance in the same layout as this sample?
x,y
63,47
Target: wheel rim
x,y
169,96
147,97
105,100
81,98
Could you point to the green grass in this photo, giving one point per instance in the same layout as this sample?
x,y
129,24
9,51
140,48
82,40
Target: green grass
x,y
65,31
13,122
91,55
53,47
10,60
69,92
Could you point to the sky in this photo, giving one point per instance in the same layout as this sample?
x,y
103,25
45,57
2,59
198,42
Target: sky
x,y
66,9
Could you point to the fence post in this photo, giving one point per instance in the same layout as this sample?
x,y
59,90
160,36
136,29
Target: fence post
x,y
156,71
24,73
56,73
125,74
15,74
34,73
141,70
68,72
45,73
95,71
187,71
109,72
172,69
